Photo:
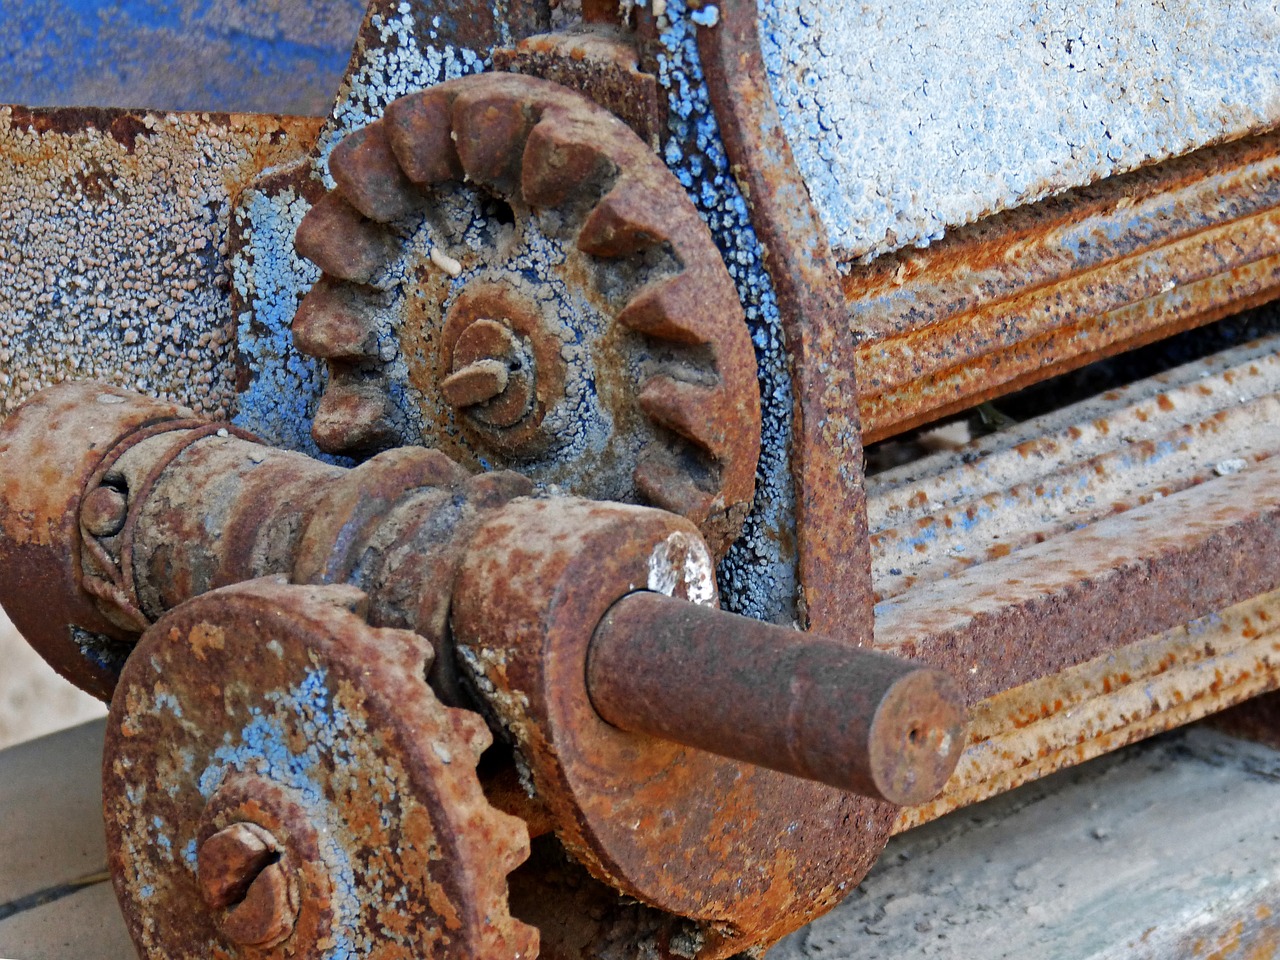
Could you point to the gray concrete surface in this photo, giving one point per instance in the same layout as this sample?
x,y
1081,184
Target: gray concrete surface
x,y
1167,850
34,700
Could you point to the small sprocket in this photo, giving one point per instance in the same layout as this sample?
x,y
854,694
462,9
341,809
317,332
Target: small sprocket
x,y
280,781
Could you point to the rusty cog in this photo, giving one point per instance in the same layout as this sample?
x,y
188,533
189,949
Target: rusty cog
x,y
279,781
511,275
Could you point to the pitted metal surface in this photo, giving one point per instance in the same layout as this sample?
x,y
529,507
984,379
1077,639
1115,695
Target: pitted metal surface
x,y
113,248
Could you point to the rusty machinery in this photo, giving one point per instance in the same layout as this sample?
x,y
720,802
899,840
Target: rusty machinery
x,y
509,666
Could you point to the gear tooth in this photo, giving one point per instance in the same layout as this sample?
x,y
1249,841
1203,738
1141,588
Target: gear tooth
x,y
332,323
341,241
369,176
420,133
687,409
473,732
509,838
626,221
524,941
562,158
353,417
674,308
490,128
663,483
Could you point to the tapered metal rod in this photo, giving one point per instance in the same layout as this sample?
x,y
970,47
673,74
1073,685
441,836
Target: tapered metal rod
x,y
856,719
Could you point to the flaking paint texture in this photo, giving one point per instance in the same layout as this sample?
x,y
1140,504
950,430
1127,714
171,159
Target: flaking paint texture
x,y
908,119
113,249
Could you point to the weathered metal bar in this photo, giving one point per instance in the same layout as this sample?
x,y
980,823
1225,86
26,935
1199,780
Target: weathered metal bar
x,y
935,517
1046,288
1063,602
1160,682
826,453
794,702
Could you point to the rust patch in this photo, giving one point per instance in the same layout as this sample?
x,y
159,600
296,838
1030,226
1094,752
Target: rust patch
x,y
1044,289
634,342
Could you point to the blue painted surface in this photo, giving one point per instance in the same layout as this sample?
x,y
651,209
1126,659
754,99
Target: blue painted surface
x,y
757,577
906,124
307,715
265,56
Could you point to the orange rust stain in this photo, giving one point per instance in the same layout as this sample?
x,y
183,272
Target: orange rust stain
x,y
1074,433
1164,403
1141,415
1229,945
1103,427
1000,550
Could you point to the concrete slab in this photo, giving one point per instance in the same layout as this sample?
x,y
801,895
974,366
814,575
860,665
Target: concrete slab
x,y
1167,849
35,701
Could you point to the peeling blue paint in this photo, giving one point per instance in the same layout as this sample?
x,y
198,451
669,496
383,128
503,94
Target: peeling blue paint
x,y
284,385
757,578
262,747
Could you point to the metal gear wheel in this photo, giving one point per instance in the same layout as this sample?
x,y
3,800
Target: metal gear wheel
x,y
280,781
512,276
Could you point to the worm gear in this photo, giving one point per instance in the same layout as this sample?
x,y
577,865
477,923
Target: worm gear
x,y
280,781
512,276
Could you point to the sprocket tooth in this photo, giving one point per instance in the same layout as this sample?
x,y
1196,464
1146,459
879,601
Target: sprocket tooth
x,y
687,409
369,176
674,309
353,417
341,241
562,157
626,221
524,942
490,129
665,484
472,732
334,323
420,133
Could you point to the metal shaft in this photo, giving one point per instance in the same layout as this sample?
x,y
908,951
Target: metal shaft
x,y
856,719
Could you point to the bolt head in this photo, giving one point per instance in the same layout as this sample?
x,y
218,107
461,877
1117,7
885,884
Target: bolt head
x,y
104,511
491,367
243,879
